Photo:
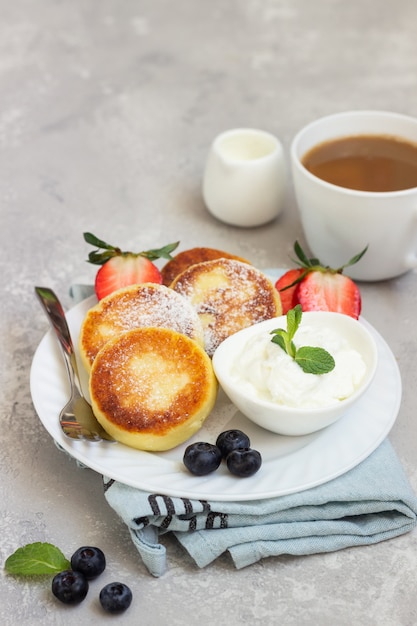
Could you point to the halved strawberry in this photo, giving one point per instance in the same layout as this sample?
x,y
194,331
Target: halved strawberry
x,y
329,291
120,269
321,288
287,286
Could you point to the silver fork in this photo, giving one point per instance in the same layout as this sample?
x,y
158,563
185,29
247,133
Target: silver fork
x,y
76,418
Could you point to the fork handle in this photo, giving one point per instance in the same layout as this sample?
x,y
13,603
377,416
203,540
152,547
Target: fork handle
x,y
56,315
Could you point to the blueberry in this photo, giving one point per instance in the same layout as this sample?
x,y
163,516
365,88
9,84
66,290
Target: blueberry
x,y
89,561
115,597
70,587
231,440
202,458
243,462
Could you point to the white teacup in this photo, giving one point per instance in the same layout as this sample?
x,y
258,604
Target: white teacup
x,y
245,177
339,222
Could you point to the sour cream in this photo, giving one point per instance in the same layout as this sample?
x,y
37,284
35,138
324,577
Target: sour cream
x,y
269,373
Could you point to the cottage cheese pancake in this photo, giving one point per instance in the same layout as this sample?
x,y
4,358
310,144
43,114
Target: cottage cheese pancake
x,y
228,295
184,260
147,304
152,388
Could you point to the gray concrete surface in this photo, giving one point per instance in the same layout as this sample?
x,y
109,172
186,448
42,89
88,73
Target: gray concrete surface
x,y
107,110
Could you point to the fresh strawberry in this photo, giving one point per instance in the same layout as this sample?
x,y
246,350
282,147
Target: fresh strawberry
x,y
287,285
321,288
120,269
329,291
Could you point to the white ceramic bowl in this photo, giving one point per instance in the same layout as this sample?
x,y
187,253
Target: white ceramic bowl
x,y
287,420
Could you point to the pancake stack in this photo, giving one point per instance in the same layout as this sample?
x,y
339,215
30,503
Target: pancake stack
x,y
148,347
147,304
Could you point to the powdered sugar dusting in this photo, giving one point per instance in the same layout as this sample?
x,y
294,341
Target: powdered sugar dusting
x,y
139,306
228,295
152,380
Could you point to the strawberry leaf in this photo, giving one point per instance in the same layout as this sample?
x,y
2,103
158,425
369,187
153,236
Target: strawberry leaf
x,y
99,258
96,257
160,253
95,241
312,264
36,559
305,261
355,258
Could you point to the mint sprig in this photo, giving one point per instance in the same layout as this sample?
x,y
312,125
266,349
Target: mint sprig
x,y
36,559
312,360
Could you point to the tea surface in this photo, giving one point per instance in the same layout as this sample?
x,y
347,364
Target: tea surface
x,y
365,163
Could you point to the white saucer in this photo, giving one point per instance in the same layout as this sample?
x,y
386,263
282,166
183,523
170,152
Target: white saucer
x,y
290,464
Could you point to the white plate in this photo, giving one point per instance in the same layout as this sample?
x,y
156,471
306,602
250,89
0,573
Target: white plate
x,y
290,464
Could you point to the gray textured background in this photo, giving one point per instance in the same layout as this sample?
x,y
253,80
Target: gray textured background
x,y
107,109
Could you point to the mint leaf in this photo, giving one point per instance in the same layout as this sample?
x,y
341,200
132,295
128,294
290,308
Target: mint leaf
x,y
279,339
293,320
314,360
36,559
284,338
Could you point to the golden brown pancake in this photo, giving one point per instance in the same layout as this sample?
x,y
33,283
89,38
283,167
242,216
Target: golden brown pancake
x,y
228,295
147,304
185,259
152,388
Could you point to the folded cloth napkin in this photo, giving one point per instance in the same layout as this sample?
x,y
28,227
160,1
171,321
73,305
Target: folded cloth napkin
x,y
370,503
